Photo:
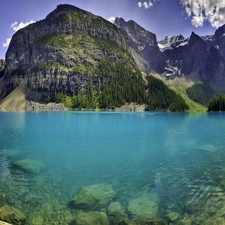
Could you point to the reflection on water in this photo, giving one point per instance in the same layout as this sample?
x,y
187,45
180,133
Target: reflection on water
x,y
172,164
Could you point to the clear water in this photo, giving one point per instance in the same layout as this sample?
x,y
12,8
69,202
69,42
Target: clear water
x,y
178,156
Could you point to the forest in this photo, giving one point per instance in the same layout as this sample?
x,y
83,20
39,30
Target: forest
x,y
120,85
217,103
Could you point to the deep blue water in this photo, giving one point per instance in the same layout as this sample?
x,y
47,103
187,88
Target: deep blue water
x,y
176,155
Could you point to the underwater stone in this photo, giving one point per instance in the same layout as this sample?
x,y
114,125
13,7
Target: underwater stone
x,y
116,213
185,221
142,222
143,207
30,165
215,221
39,220
173,216
94,196
91,218
115,207
208,147
12,215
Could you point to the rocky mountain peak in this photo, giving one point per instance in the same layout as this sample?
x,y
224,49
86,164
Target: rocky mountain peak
x,y
62,52
170,42
142,45
65,8
135,32
220,31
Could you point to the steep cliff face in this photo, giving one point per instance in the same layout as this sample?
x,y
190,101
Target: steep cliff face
x,y
143,46
200,57
2,66
213,68
62,52
195,55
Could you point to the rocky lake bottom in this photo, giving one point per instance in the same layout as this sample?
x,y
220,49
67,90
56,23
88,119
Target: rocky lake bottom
x,y
103,168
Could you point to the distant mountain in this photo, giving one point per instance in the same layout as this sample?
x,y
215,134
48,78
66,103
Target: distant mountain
x,y
200,58
143,46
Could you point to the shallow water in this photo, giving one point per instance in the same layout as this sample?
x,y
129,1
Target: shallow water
x,y
178,156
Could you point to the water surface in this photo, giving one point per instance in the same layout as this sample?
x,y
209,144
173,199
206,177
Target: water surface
x,y
178,156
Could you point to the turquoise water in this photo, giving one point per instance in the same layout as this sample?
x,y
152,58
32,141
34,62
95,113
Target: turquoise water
x,y
178,156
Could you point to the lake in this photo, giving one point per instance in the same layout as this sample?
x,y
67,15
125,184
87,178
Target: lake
x,y
171,163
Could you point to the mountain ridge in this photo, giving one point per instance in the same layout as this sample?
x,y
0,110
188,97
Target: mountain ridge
x,y
74,52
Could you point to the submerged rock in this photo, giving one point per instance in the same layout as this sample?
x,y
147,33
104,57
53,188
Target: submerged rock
x,y
208,148
116,213
173,216
94,196
30,165
12,215
185,220
91,218
215,221
142,222
144,207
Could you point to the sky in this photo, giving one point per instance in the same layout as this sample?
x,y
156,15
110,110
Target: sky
x,y
162,17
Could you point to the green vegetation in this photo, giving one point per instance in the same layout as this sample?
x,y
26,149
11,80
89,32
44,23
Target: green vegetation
x,y
179,85
124,86
217,103
118,85
160,97
200,92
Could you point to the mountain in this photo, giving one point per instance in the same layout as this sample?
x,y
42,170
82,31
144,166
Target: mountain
x,y
143,46
2,66
84,61
65,53
199,58
195,57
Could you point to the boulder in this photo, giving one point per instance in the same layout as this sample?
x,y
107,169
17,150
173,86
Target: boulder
x,y
173,216
30,165
12,215
91,218
142,222
144,207
116,213
94,196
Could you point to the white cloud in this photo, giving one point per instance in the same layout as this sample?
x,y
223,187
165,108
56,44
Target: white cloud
x,y
111,19
205,10
6,43
16,26
146,5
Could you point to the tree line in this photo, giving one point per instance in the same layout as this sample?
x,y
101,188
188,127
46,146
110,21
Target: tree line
x,y
122,84
217,103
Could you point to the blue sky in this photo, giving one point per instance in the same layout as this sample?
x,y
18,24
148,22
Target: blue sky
x,y
162,17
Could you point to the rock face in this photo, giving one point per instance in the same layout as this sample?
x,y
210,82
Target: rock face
x,y
95,196
12,215
2,65
15,101
201,58
61,53
143,46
